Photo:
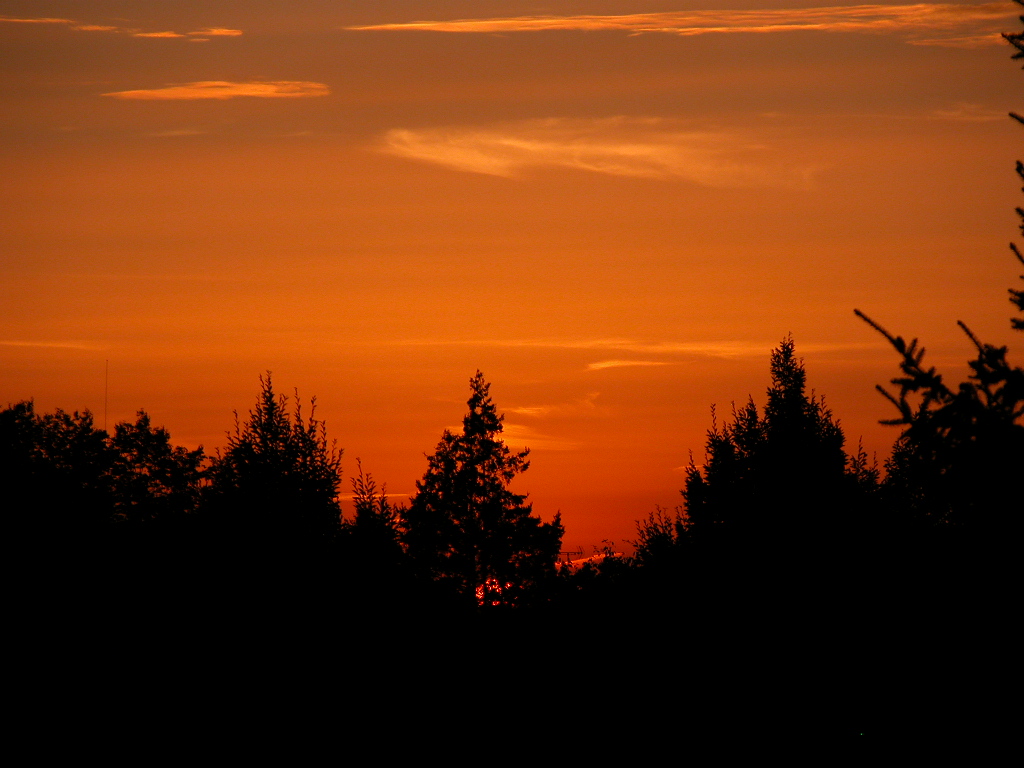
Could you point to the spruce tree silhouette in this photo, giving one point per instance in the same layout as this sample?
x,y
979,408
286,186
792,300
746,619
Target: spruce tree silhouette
x,y
958,460
465,529
277,482
777,476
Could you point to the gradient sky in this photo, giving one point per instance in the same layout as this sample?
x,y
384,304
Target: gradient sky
x,y
614,209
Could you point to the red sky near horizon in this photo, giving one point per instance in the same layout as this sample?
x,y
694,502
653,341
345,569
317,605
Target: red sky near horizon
x,y
615,210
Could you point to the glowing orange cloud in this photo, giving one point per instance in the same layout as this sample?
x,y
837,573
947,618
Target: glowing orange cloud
x,y
967,41
221,89
217,32
207,32
622,364
157,34
11,20
859,18
519,436
644,148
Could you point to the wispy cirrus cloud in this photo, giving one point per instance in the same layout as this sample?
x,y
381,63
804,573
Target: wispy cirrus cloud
x,y
875,18
222,89
204,33
519,436
82,345
176,133
708,348
216,32
158,34
968,113
644,148
582,406
964,41
43,20
623,364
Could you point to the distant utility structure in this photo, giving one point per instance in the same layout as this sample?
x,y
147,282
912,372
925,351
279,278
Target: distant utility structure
x,y
576,553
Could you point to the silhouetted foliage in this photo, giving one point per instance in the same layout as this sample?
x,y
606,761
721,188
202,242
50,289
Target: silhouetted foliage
x,y
465,529
959,457
59,470
374,530
777,474
373,512
1016,39
659,537
85,497
279,477
154,480
961,451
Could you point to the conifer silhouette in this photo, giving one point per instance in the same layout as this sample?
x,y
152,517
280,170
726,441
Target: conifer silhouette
x,y
465,529
959,457
780,473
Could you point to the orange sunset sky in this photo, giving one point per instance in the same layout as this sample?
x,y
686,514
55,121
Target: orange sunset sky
x,y
614,209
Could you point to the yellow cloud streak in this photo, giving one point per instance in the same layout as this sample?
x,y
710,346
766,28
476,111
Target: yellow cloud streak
x,y
157,34
622,364
859,18
217,32
220,89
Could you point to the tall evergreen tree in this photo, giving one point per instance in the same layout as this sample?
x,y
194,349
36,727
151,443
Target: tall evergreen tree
x,y
465,529
777,474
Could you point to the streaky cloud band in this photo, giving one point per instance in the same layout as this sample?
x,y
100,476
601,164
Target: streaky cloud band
x,y
221,89
87,27
618,146
875,18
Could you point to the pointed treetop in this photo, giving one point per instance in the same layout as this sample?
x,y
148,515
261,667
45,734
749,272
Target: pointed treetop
x,y
483,419
788,373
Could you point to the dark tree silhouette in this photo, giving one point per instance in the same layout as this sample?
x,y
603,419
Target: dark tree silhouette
x,y
374,531
279,477
958,461
153,480
374,514
57,471
777,474
465,529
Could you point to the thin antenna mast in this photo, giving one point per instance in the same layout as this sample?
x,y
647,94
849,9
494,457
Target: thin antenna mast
x,y
106,390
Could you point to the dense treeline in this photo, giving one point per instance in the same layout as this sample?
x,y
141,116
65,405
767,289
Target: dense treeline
x,y
777,496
